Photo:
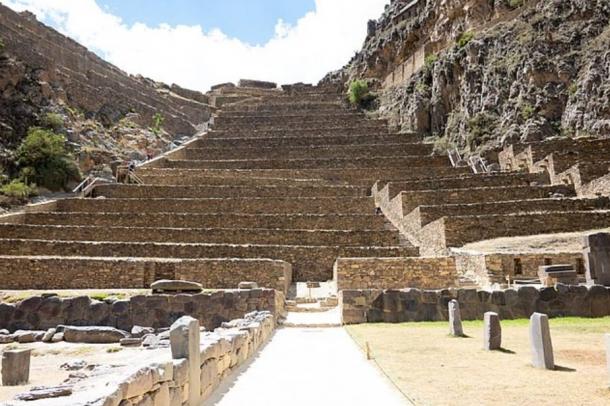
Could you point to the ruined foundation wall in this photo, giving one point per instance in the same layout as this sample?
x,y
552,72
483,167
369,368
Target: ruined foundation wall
x,y
395,306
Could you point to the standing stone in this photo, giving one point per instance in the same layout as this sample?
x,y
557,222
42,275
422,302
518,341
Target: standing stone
x,y
455,319
493,332
597,258
540,341
15,367
185,342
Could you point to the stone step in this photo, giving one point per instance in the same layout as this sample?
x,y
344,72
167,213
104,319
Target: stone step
x,y
429,213
225,220
289,139
465,182
339,151
279,124
304,309
351,238
293,132
280,205
356,162
222,191
73,272
309,263
161,179
338,117
412,199
460,230
357,176
323,110
277,108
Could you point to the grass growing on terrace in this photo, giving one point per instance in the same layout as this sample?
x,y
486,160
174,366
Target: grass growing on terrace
x,y
435,369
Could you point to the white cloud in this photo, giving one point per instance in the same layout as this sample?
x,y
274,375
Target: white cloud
x,y
321,41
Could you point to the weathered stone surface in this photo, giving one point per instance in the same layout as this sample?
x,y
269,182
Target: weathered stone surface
x,y
75,365
492,335
57,337
93,335
43,392
131,342
185,339
176,286
607,342
257,83
247,285
540,342
15,367
455,319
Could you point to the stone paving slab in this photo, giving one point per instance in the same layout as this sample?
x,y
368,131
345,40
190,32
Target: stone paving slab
x,y
308,367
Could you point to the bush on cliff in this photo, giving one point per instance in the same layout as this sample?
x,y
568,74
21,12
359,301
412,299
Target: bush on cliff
x,y
359,95
18,190
44,160
53,121
464,39
158,121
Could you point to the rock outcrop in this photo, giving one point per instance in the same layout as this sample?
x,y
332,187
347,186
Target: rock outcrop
x,y
479,73
105,113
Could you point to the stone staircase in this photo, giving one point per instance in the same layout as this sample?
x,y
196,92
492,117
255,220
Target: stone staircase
x,y
283,178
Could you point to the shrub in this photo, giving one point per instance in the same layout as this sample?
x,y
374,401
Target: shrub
x,y
45,161
515,3
442,145
18,190
358,92
464,39
573,89
481,129
527,111
158,121
1,45
430,60
53,121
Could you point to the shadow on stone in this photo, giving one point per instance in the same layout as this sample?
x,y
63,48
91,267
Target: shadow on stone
x,y
559,368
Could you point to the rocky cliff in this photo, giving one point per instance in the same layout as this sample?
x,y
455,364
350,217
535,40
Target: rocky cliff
x,y
105,113
480,73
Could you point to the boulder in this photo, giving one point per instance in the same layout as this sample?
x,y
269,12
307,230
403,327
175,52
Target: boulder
x,y
48,336
139,332
175,286
93,335
131,342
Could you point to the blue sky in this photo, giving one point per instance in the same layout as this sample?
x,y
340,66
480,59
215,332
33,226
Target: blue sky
x,y
252,21
200,43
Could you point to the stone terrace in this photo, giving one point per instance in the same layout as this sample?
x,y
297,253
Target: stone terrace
x,y
282,183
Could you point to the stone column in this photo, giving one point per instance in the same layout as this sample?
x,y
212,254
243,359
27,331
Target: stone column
x,y
540,342
184,340
455,319
596,253
15,367
492,337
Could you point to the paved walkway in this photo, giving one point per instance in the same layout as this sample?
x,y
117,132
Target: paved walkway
x,y
313,367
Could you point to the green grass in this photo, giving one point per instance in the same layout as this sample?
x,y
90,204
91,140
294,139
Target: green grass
x,y
585,325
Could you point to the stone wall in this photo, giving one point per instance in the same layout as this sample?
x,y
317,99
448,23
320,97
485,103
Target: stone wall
x,y
394,306
181,376
139,273
489,268
86,81
394,273
158,311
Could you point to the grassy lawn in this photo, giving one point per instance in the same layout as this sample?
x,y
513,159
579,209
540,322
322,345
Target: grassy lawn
x,y
433,368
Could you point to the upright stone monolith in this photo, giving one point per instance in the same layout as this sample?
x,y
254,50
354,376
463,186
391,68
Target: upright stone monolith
x,y
597,258
455,319
185,341
540,341
15,367
492,336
